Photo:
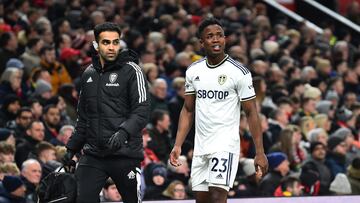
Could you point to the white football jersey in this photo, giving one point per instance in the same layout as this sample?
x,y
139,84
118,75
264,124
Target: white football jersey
x,y
218,90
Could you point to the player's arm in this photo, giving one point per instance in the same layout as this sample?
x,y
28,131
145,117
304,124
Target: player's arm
x,y
186,120
252,115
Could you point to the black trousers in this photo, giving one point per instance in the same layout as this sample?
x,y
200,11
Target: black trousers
x,y
92,172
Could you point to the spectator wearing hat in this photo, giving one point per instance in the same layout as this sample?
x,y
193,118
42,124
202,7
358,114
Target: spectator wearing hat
x,y
278,168
9,108
336,156
15,63
353,174
7,136
340,185
342,116
59,74
348,137
155,180
13,190
43,91
316,163
70,58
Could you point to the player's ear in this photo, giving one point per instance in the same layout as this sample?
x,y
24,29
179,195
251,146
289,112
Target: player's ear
x,y
95,45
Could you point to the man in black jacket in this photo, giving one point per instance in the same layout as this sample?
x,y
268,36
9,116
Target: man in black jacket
x,y
113,109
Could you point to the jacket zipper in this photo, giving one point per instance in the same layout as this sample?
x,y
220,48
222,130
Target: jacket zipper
x,y
98,98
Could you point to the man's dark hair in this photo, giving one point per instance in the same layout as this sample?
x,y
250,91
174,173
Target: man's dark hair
x,y
23,109
48,107
157,115
108,183
46,48
5,38
42,146
107,26
32,42
288,182
205,23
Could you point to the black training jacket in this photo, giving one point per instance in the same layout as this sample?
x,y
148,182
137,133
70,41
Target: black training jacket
x,y
113,99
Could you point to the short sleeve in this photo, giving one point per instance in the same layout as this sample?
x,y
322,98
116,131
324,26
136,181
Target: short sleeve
x,y
246,89
189,86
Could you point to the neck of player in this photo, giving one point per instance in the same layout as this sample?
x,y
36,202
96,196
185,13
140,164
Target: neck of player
x,y
215,59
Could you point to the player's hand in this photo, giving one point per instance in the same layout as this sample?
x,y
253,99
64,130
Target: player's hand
x,y
261,164
174,156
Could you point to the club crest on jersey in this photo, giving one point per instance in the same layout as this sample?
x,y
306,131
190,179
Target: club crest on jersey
x,y
113,77
222,79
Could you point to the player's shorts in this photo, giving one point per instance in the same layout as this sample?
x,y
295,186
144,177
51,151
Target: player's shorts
x,y
214,170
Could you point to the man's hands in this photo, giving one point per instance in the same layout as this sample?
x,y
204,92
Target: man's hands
x,y
67,159
118,140
174,156
261,164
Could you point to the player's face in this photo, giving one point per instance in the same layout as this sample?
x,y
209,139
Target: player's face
x,y
213,40
109,45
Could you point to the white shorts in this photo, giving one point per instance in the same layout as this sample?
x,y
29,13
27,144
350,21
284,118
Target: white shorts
x,y
215,170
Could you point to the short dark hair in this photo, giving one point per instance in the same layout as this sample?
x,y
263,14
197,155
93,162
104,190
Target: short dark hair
x,y
107,26
157,115
42,146
48,107
108,183
46,48
205,23
23,109
32,42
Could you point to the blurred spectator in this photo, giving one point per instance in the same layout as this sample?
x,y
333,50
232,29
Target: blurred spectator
x,y
36,108
318,135
7,152
9,169
156,181
278,168
9,45
176,103
23,119
31,176
7,136
336,156
158,95
289,187
316,163
10,83
175,190
51,119
31,56
70,96
14,190
353,174
149,154
110,192
159,134
64,135
9,108
34,135
59,74
46,155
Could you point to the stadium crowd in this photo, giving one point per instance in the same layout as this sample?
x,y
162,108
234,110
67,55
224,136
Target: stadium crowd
x,y
307,87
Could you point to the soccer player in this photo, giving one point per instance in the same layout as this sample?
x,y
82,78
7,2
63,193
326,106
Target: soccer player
x,y
215,87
